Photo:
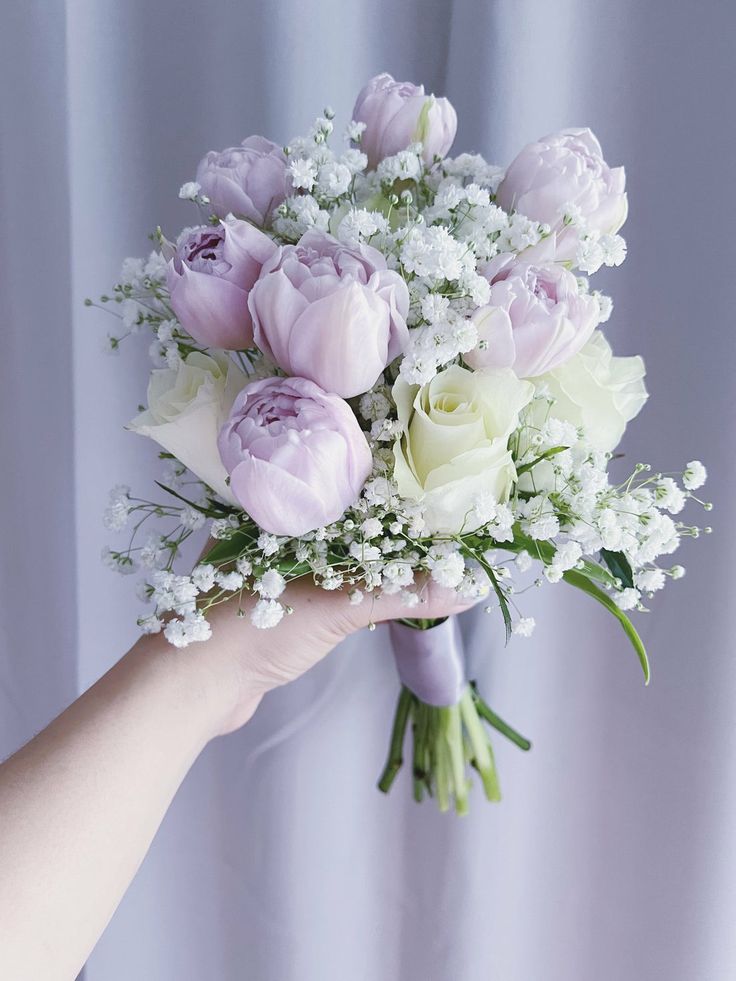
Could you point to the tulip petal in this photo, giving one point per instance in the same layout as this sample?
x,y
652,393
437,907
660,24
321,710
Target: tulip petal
x,y
275,305
213,310
341,341
277,501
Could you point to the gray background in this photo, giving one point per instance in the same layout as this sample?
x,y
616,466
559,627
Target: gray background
x,y
612,856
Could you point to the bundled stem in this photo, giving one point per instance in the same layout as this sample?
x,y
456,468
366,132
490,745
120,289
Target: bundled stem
x,y
446,741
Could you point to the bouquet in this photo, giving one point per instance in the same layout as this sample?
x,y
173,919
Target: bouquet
x,y
377,365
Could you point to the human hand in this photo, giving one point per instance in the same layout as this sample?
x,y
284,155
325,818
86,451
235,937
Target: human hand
x,y
241,663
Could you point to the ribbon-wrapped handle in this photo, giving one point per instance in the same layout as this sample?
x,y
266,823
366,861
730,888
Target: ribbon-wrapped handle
x,y
431,662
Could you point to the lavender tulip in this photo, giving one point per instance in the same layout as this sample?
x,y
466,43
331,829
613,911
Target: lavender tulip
x,y
296,456
397,114
566,173
537,317
249,180
209,279
329,313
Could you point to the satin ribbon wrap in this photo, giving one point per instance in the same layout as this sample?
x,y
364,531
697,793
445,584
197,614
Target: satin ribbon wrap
x,y
431,663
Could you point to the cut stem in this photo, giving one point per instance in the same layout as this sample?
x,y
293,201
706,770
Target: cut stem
x,y
395,753
497,722
483,760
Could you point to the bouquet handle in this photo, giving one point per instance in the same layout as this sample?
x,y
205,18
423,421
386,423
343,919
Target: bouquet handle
x,y
446,714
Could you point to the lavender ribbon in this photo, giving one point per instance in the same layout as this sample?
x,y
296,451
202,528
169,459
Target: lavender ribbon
x,y
431,663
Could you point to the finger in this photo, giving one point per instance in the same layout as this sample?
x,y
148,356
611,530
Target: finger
x,y
435,602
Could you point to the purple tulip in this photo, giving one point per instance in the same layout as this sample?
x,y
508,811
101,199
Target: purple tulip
x,y
537,317
397,114
249,180
561,172
329,313
209,279
296,456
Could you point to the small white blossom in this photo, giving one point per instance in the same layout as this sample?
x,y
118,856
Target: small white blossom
x,y
523,561
695,475
150,624
524,627
203,577
223,528
172,592
354,131
244,566
191,629
374,405
231,582
627,599
268,544
669,496
446,566
303,173
189,191
371,527
154,554
266,614
650,580
119,508
271,584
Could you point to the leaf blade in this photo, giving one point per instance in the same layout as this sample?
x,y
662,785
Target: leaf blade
x,y
581,582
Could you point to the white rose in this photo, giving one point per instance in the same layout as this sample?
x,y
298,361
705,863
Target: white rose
x,y
186,408
597,392
454,446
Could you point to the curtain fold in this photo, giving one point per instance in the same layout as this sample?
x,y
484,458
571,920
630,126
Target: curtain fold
x,y
612,854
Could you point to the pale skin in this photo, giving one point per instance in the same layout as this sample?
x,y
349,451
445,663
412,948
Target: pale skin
x,y
81,803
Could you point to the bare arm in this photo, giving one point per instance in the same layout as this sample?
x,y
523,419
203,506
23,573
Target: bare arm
x,y
80,804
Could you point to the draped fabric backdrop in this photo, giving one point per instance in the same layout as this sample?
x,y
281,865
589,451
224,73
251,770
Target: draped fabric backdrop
x,y
612,855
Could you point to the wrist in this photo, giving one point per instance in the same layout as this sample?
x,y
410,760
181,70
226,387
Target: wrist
x,y
203,686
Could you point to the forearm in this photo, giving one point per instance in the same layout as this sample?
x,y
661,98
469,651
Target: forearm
x,y
80,804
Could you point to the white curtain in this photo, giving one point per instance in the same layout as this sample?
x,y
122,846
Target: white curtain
x,y
612,855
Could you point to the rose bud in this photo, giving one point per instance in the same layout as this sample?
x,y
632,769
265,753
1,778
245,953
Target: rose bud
x,y
561,173
249,180
329,313
397,114
209,278
455,442
296,456
537,317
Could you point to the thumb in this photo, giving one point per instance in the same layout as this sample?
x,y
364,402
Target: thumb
x,y
435,602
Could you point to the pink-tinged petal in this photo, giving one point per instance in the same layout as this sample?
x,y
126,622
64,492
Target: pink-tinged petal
x,y
341,341
213,310
277,501
494,331
275,305
246,249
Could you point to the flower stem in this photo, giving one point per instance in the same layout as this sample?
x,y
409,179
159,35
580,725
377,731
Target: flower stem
x,y
395,754
482,752
453,732
497,722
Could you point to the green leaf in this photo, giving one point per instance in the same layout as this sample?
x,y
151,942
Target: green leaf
x,y
544,551
526,467
580,581
619,566
502,601
217,508
228,549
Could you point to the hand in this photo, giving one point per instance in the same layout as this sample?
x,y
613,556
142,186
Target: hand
x,y
242,663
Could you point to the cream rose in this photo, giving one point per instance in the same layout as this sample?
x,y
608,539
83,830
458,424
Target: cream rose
x,y
455,438
186,408
596,392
